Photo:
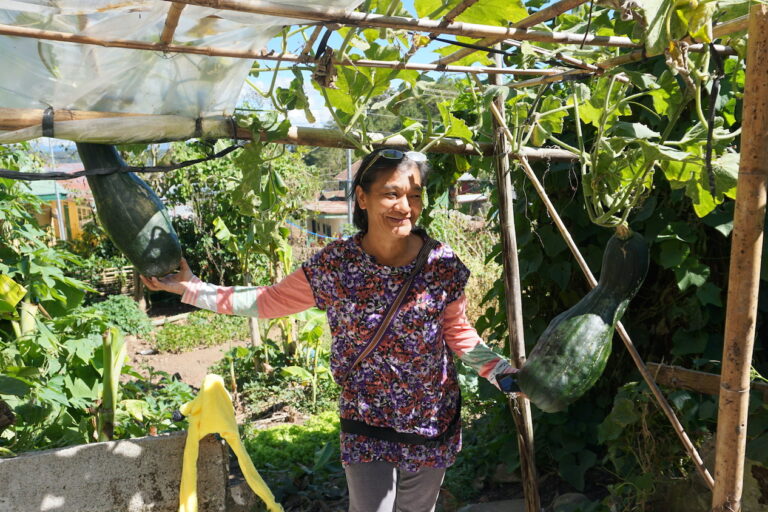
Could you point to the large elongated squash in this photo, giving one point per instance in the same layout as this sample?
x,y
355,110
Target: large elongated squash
x,y
132,215
572,352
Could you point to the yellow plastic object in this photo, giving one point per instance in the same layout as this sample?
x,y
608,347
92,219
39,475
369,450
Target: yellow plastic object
x,y
211,412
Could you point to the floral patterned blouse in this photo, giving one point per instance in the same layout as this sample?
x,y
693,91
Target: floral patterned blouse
x,y
409,382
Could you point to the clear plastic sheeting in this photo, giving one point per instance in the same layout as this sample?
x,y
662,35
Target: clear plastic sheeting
x,y
41,73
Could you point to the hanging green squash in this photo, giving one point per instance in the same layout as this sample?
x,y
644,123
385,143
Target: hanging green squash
x,y
132,215
572,352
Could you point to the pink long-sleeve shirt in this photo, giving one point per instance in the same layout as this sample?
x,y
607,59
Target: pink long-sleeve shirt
x,y
294,294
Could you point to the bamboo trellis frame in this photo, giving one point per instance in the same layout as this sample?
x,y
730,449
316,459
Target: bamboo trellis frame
x,y
739,332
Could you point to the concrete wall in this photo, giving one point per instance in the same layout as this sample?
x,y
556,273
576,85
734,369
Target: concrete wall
x,y
136,475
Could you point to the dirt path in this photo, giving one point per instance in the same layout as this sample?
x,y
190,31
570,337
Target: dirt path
x,y
192,366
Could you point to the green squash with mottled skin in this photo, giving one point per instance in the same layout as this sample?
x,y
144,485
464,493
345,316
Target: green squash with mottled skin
x,y
572,352
133,217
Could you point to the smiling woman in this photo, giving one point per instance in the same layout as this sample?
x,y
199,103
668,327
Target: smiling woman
x,y
395,303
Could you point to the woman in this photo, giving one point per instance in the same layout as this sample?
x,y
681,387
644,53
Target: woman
x,y
400,403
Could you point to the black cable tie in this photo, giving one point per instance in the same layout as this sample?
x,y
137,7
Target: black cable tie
x,y
323,43
233,123
575,77
48,122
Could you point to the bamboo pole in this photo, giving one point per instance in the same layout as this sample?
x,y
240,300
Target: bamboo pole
x,y
18,118
460,8
221,127
171,22
744,272
263,54
362,19
663,404
306,52
577,74
519,406
539,16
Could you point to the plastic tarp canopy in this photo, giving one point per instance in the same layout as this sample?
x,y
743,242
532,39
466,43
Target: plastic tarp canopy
x,y
40,73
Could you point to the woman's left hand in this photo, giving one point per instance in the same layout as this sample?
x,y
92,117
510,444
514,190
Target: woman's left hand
x,y
174,283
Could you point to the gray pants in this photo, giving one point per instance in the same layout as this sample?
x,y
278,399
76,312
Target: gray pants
x,y
382,487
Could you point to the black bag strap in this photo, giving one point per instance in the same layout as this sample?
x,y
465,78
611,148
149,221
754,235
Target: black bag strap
x,y
421,259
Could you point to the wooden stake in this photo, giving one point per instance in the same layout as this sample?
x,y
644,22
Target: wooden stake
x,y
363,19
171,22
263,54
539,16
701,382
521,406
744,272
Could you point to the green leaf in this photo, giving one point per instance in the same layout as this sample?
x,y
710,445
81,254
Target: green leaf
x,y
297,371
137,409
487,12
757,449
454,126
686,343
655,13
13,386
709,293
573,467
726,171
10,294
633,131
691,274
672,253
560,273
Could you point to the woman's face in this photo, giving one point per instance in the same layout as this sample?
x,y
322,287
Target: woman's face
x,y
393,202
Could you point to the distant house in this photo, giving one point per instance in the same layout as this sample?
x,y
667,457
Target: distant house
x,y
328,212
470,195
76,203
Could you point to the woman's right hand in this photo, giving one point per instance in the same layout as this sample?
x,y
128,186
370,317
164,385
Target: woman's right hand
x,y
174,283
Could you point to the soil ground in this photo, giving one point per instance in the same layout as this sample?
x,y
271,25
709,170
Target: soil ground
x,y
191,366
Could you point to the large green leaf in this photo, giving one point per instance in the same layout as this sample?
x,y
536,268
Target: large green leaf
x,y
486,12
454,126
655,13
13,386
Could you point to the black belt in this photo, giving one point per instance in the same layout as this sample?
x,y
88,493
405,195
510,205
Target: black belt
x,y
389,434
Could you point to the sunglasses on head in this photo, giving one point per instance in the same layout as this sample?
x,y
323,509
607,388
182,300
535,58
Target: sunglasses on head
x,y
396,154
